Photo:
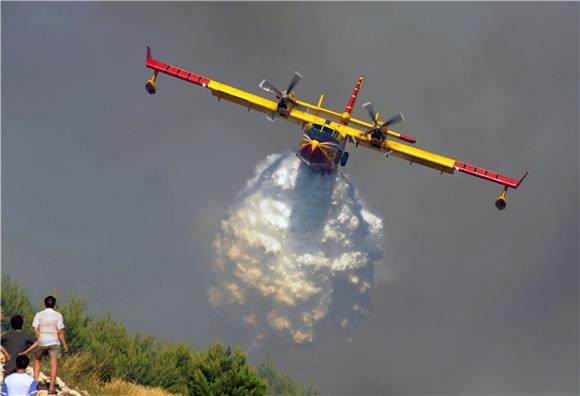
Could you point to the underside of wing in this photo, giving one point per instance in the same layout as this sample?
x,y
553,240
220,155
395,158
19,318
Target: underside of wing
x,y
418,156
246,99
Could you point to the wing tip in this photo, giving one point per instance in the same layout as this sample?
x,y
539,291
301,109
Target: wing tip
x,y
522,179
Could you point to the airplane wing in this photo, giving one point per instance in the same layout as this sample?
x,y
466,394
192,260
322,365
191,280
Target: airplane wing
x,y
222,91
357,136
448,165
391,147
422,157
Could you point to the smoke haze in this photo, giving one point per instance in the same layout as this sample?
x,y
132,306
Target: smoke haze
x,y
118,196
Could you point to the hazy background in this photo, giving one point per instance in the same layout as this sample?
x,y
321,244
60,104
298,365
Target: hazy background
x,y
116,195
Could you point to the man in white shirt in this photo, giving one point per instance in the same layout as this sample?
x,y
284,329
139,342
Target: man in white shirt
x,y
19,383
49,329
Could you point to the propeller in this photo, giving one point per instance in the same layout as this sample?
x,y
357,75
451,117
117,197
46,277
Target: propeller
x,y
283,96
295,79
380,131
268,87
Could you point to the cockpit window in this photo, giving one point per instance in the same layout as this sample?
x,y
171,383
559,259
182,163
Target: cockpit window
x,y
323,133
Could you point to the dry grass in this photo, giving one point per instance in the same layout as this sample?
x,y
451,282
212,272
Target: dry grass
x,y
118,387
79,368
81,372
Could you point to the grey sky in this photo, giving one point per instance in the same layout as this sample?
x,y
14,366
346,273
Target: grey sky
x,y
116,195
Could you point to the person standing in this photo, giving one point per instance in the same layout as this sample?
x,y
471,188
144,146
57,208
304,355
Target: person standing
x,y
4,356
20,383
49,329
15,341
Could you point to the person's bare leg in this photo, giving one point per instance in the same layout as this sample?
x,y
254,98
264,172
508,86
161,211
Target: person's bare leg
x,y
53,367
36,367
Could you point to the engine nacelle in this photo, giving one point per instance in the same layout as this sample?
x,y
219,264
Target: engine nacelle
x,y
150,85
501,201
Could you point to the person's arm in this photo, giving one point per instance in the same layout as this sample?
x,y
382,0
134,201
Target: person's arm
x,y
5,353
4,390
30,349
63,340
60,327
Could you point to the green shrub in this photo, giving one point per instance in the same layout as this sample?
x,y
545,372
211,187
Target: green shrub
x,y
113,353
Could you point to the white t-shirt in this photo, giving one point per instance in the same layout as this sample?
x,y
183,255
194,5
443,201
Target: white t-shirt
x,y
19,384
48,322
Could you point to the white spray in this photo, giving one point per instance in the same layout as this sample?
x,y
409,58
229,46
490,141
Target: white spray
x,y
295,255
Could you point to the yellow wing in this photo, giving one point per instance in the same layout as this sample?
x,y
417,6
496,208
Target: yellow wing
x,y
246,99
412,154
222,91
400,150
418,156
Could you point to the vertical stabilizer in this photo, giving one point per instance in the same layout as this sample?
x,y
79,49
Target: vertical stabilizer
x,y
345,118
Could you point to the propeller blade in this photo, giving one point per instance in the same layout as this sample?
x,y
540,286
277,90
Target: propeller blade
x,y
368,106
295,79
394,119
268,87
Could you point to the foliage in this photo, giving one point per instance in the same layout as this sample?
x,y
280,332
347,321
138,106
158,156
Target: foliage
x,y
281,384
15,301
104,353
77,322
225,371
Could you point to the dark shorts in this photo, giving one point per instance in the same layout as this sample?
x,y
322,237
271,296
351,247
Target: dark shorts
x,y
51,350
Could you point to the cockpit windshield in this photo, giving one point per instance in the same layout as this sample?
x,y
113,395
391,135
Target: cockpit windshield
x,y
319,131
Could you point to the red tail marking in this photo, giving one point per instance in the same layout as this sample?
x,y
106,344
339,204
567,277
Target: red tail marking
x,y
352,99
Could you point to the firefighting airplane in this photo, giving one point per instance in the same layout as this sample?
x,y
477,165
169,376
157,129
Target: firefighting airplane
x,y
324,139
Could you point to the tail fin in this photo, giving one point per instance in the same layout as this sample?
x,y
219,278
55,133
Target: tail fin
x,y
350,105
